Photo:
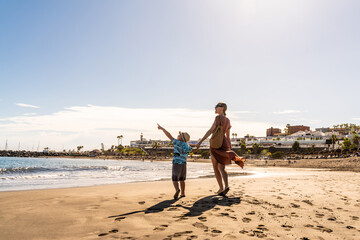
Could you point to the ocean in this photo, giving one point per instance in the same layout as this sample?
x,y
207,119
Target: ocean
x,y
46,173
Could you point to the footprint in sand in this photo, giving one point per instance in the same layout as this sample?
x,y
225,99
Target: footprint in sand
x,y
216,231
294,205
330,210
179,234
224,214
272,213
92,207
200,225
111,231
307,202
354,218
350,227
287,227
250,213
323,229
229,236
243,231
160,228
181,218
203,219
119,218
293,214
246,220
319,215
192,237
141,203
332,218
257,233
262,227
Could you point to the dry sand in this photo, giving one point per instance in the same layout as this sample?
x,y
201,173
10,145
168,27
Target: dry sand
x,y
280,203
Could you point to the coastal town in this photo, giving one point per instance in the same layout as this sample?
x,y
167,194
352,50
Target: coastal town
x,y
294,141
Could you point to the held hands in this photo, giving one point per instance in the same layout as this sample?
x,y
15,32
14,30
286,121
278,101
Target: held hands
x,y
197,146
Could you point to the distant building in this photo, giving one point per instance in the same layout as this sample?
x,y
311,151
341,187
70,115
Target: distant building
x,y
273,131
294,129
324,130
143,142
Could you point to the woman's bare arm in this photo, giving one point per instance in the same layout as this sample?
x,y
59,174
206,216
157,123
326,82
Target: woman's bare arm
x,y
207,134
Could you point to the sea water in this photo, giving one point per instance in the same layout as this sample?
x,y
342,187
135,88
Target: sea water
x,y
44,173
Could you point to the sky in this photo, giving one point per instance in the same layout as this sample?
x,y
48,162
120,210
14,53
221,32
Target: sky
x,y
82,72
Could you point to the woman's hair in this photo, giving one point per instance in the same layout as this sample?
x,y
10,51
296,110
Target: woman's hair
x,y
223,105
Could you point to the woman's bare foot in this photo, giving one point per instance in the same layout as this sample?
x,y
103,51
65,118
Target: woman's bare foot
x,y
223,193
219,191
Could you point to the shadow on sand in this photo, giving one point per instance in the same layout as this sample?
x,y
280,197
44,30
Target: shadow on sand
x,y
198,208
159,207
207,203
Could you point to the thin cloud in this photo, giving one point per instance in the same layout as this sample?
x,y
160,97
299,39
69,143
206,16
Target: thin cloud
x,y
357,119
287,112
26,105
91,125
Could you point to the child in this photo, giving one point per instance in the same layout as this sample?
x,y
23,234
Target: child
x,y
181,151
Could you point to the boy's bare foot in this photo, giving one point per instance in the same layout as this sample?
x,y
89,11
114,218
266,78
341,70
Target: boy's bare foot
x,y
176,195
182,195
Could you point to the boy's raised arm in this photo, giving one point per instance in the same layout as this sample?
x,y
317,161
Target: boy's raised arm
x,y
166,132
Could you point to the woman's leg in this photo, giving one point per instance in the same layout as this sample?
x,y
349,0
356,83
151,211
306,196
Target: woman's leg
x,y
217,173
224,174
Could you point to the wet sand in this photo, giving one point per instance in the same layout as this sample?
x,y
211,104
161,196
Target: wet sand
x,y
277,203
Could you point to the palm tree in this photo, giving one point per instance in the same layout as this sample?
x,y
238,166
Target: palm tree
x,y
79,148
120,138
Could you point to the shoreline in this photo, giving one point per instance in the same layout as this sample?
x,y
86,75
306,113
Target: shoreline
x,y
231,174
280,205
351,164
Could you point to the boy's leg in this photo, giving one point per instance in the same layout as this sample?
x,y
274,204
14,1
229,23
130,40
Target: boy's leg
x,y
176,185
182,187
177,190
175,179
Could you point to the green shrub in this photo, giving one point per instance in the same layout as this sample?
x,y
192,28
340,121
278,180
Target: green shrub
x,y
277,155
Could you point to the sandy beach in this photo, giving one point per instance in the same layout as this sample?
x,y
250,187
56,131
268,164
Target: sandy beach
x,y
277,203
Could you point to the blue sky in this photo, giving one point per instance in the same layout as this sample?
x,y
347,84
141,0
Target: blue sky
x,y
272,62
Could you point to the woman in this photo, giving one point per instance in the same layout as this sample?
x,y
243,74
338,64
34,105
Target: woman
x,y
223,155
